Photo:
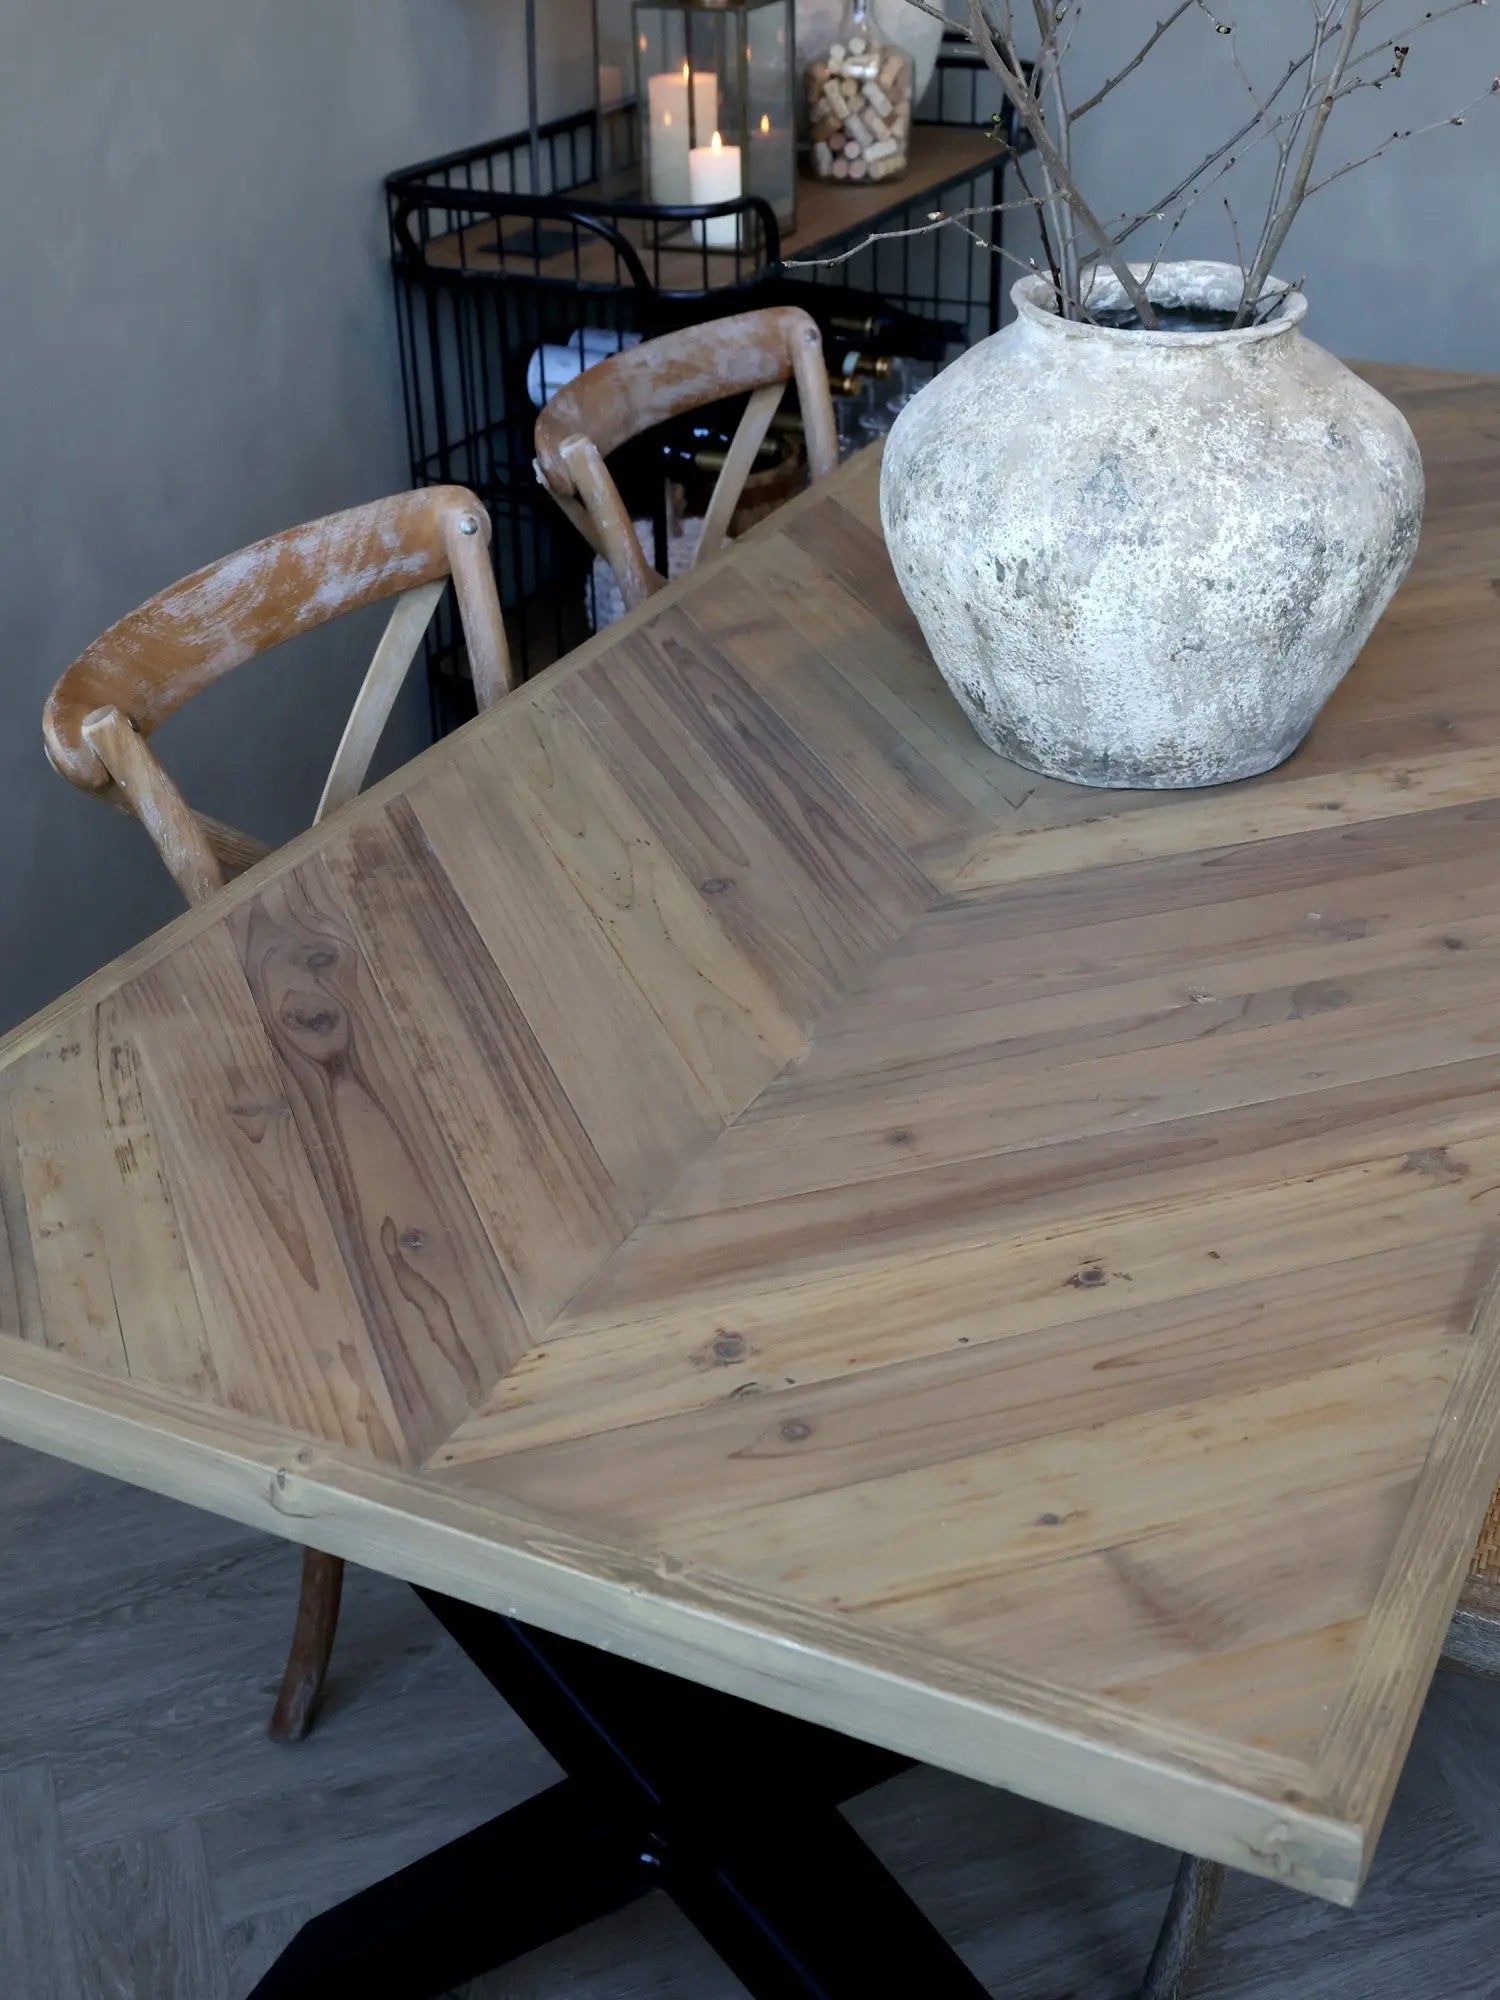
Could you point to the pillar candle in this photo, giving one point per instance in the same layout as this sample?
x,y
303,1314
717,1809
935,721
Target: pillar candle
x,y
668,138
714,175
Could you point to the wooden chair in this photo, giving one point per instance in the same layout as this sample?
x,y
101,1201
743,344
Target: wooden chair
x,y
1473,1639
99,718
618,398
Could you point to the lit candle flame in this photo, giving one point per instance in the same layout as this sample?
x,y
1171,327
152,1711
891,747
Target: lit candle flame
x,y
716,144
686,71
765,121
666,118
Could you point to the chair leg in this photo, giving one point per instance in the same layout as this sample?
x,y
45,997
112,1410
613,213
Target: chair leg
x,y
1184,1931
311,1649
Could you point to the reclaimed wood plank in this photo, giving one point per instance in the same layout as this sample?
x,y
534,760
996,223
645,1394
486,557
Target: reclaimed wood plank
x,y
284,1327
542,1191
438,1311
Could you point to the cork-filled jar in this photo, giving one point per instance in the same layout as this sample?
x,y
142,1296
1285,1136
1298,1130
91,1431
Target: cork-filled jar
x,y
859,104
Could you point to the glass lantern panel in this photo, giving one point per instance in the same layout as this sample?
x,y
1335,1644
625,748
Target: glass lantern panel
x,y
703,69
770,107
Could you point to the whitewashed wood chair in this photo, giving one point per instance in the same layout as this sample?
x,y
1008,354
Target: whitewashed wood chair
x,y
754,353
100,716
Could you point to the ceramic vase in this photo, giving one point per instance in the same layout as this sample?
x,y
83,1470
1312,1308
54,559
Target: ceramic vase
x,y
1147,558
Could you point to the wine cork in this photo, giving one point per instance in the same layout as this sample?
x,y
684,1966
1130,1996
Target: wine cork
x,y
859,103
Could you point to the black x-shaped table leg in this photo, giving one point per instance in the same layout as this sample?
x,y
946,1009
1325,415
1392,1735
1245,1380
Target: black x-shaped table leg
x,y
729,1808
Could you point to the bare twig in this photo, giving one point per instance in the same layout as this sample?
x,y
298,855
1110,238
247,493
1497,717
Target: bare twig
x,y
1019,93
1280,221
937,219
1400,42
1230,31
1323,12
1411,132
1336,63
1239,248
1049,66
1158,209
1114,82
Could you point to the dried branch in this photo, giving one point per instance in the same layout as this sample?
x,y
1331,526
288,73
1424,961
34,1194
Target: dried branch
x,y
1113,83
1336,63
1049,67
1400,42
1028,108
1184,187
1279,223
937,219
1230,30
1239,247
1411,132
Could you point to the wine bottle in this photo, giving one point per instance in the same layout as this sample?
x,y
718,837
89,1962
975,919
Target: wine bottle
x,y
855,363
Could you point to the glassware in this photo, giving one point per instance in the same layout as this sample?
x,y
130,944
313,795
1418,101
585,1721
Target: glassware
x,y
715,91
859,103
907,378
876,415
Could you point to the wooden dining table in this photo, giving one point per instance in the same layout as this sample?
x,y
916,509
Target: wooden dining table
x,y
813,1247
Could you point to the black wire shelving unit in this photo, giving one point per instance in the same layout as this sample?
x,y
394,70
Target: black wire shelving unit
x,y
507,247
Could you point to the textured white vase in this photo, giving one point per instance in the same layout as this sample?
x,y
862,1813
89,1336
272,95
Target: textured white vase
x,y
1148,559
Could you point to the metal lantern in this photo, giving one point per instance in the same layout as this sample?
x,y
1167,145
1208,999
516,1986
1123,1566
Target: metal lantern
x,y
715,97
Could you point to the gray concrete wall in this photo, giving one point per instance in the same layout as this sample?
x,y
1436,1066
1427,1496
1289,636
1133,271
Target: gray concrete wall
x,y
198,348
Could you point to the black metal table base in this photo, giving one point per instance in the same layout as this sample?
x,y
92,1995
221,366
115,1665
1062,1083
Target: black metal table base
x,y
729,1808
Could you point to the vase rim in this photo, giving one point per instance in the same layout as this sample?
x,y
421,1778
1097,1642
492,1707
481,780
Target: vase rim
x,y
1190,282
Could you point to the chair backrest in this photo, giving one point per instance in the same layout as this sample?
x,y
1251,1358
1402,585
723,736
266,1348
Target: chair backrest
x,y
616,399
105,706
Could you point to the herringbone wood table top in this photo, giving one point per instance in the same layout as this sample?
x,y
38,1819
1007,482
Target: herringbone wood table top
x,y
711,1160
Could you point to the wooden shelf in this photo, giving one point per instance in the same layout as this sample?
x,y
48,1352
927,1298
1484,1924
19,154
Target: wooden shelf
x,y
827,212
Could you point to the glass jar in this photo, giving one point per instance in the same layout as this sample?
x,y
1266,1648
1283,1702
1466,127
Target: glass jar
x,y
859,104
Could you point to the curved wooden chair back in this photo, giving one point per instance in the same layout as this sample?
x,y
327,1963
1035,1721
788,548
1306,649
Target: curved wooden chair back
x,y
616,399
100,715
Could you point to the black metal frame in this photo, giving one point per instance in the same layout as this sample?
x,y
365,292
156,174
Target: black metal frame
x,y
467,325
729,1808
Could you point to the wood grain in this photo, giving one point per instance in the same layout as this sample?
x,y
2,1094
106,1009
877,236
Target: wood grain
x,y
143,1916
38,1951
434,1301
712,1161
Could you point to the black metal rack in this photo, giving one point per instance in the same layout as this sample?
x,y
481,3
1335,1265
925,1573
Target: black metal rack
x,y
503,248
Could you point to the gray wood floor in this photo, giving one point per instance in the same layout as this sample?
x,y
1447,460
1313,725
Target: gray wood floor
x,y
154,1845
